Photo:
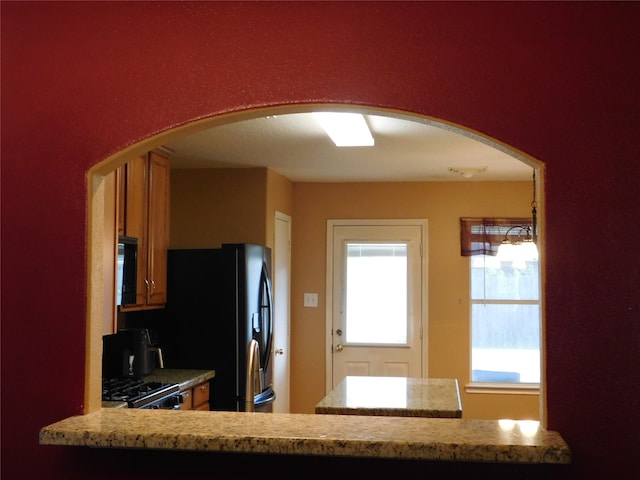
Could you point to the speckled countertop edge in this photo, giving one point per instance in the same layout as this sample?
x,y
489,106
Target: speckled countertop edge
x,y
441,439
395,412
186,378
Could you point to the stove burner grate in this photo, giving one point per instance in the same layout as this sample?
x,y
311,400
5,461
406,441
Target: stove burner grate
x,y
136,392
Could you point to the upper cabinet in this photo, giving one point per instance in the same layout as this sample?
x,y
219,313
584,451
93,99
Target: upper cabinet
x,y
143,213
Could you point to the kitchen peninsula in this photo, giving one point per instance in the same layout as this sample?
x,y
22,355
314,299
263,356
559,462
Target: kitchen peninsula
x,y
439,439
394,396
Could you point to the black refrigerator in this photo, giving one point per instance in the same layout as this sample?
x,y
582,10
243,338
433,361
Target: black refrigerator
x,y
219,316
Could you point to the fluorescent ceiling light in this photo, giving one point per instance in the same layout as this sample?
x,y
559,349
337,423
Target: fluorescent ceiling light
x,y
346,129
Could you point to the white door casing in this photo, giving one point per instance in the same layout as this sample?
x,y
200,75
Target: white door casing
x,y
408,359
281,334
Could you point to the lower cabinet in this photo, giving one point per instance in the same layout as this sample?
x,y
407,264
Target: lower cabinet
x,y
201,396
196,398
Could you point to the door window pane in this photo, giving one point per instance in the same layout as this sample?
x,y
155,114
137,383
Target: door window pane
x,y
376,293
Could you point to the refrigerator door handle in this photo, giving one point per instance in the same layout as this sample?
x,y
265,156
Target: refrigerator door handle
x,y
254,381
266,303
265,398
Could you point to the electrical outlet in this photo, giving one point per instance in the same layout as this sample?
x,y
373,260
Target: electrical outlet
x,y
311,300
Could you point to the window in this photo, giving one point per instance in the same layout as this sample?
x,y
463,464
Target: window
x,y
505,307
376,271
505,321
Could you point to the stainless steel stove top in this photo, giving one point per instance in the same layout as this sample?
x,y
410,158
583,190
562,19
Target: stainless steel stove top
x,y
138,393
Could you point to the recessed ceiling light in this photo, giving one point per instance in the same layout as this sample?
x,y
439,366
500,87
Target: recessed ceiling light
x,y
345,129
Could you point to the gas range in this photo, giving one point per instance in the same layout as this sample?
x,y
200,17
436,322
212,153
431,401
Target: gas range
x,y
138,393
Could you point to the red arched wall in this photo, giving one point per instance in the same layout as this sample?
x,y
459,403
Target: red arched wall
x,y
559,81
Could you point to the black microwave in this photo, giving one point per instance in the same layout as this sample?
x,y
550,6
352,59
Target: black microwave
x,y
127,270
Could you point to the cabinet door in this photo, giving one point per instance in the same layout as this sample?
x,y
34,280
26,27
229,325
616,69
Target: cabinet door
x,y
201,396
158,229
121,189
187,400
136,220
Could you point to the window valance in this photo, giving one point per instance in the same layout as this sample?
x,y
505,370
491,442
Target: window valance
x,y
483,236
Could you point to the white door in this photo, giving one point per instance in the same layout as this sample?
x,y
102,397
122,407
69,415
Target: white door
x,y
377,311
281,334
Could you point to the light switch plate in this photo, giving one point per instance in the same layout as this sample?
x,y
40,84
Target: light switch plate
x,y
311,300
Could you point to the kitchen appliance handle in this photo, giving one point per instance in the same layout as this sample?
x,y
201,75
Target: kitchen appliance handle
x,y
263,400
268,305
160,357
253,375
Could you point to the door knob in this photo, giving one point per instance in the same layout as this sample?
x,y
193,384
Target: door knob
x,y
279,351
339,347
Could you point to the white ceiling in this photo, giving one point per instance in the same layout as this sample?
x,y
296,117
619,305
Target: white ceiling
x,y
294,145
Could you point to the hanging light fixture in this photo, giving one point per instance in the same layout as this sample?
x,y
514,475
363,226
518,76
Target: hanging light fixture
x,y
522,249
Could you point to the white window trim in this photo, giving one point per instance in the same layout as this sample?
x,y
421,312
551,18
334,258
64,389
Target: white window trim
x,y
503,388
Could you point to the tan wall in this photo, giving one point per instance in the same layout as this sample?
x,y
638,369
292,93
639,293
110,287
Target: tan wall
x,y
209,207
279,198
442,204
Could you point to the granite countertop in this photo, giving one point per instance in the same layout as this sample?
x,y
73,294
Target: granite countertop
x,y
398,437
186,378
395,396
443,439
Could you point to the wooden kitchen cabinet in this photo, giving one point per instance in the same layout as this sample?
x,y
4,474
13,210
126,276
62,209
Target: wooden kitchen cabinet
x,y
187,399
196,398
201,396
143,213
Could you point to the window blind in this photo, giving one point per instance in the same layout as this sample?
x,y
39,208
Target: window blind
x,y
483,236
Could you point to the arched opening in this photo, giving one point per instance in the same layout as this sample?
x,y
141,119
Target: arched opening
x,y
97,298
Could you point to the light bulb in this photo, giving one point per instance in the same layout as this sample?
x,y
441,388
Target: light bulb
x,y
506,251
529,251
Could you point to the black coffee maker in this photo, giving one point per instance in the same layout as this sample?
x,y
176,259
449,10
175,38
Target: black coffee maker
x,y
130,353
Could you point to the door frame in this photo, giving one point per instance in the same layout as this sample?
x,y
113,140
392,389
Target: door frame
x,y
424,330
282,294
